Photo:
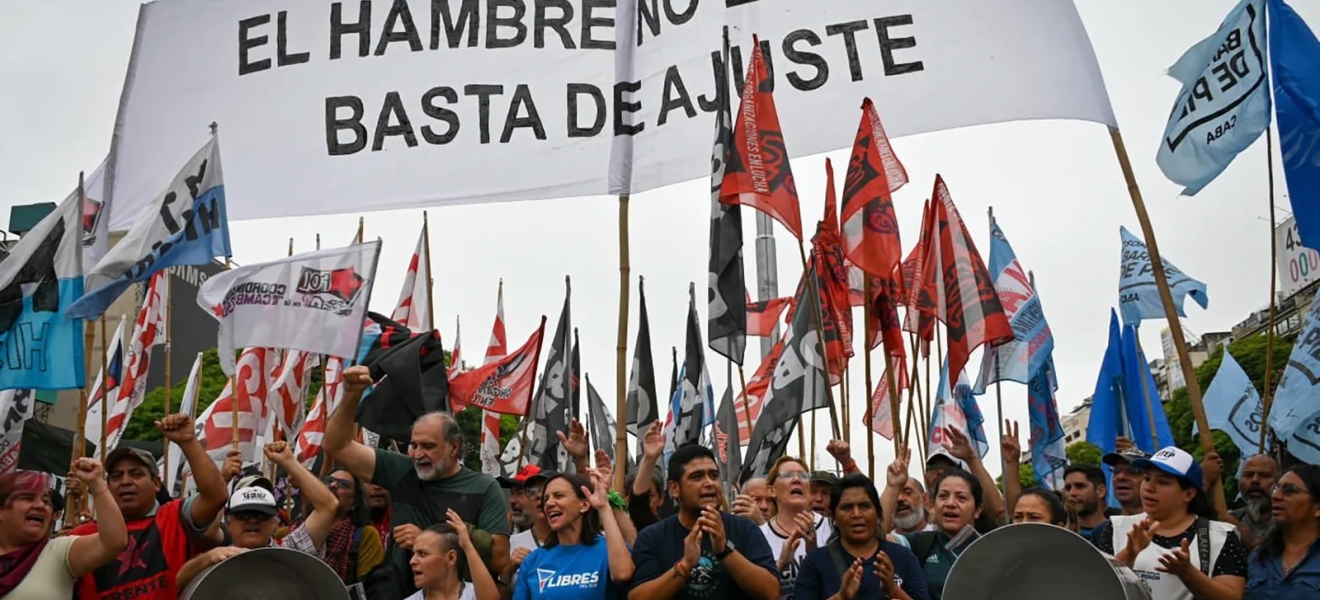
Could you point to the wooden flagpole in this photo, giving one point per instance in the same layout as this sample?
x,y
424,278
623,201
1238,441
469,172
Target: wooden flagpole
x,y
1170,310
747,408
844,404
106,403
621,348
80,428
430,283
233,393
1268,398
813,295
361,229
870,386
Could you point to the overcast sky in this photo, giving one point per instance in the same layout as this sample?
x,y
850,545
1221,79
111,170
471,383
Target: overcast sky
x,y
1055,186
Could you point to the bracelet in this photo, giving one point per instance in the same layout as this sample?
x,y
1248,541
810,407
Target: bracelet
x,y
850,465
617,501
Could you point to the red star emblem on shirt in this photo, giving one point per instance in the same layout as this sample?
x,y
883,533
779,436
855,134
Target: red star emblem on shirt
x,y
131,557
345,283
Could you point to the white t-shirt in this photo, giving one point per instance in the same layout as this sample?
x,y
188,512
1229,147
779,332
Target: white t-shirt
x,y
49,578
788,577
466,591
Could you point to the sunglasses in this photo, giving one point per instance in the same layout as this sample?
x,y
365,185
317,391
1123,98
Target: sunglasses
x,y
1288,489
337,483
250,516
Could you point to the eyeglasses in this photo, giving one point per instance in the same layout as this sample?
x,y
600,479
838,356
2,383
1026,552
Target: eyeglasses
x,y
798,475
1288,489
335,482
1127,470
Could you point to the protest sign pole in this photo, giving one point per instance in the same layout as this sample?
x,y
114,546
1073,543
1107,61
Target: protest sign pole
x,y
621,348
1268,396
105,397
169,329
866,366
1166,298
430,283
813,296
80,428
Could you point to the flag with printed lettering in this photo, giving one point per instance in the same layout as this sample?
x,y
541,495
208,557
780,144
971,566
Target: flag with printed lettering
x,y
288,402
414,306
642,404
39,280
496,349
327,399
1232,405
798,385
503,386
551,405
185,225
955,408
758,174
882,419
1049,453
16,407
749,403
1293,411
1224,104
1139,296
870,227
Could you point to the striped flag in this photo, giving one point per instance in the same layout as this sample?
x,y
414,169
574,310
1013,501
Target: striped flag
x,y
327,400
490,422
107,384
415,299
148,332
456,356
288,401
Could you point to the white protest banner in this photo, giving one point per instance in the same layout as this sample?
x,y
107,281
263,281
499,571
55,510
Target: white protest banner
x,y
337,107
1298,265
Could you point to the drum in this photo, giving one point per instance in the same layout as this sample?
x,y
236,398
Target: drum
x,y
267,574
1038,561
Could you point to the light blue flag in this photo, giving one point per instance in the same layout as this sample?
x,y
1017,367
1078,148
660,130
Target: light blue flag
x,y
1232,405
1224,104
956,409
1294,405
1138,296
1295,59
1033,342
41,347
185,225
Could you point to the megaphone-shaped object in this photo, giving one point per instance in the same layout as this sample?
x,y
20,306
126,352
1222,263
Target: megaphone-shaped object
x,y
1034,560
267,574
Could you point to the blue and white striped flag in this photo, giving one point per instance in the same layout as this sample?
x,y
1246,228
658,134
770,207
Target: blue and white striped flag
x,y
1033,342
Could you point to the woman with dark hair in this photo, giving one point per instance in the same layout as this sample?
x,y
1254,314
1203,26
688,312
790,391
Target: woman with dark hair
x,y
860,562
586,552
1176,546
353,547
1039,505
1286,565
958,515
32,565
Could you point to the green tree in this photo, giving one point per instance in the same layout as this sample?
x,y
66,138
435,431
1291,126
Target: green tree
x,y
1084,453
469,420
142,425
1250,353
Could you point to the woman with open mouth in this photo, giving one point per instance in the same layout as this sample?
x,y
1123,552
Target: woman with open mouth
x,y
585,557
35,567
1286,565
1039,505
792,530
440,553
1176,546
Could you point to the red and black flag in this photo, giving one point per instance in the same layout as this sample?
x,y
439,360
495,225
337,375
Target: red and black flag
x,y
410,369
504,386
758,174
763,316
828,262
870,228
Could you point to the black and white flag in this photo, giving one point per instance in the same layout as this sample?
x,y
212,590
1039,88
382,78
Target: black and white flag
x,y
692,408
798,385
726,313
641,402
550,408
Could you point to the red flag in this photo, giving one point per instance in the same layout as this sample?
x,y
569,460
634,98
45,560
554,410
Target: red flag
x,y
870,227
832,283
504,386
955,277
747,408
758,174
764,315
882,421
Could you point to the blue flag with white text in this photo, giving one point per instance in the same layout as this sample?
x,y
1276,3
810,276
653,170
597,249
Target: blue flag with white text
x,y
185,225
1232,405
1033,342
41,347
1049,454
1294,406
1224,104
1138,296
1295,59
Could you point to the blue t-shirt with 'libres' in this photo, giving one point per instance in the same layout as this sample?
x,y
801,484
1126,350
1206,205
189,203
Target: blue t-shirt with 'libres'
x,y
577,572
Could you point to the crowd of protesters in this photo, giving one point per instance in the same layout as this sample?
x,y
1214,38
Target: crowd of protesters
x,y
421,526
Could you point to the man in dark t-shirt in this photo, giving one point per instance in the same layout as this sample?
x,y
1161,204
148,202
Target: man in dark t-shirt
x,y
423,486
700,553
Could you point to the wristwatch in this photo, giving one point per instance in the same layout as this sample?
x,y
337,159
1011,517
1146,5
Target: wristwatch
x,y
728,549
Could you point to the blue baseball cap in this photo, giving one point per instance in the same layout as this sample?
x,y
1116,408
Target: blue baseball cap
x,y
1174,461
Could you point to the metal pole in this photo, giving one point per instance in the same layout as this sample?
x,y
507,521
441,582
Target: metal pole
x,y
767,272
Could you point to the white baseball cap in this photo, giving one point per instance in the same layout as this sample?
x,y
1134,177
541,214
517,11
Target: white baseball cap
x,y
253,499
1174,461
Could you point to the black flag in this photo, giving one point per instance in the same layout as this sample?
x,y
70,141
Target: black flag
x,y
798,385
410,369
726,312
695,402
552,403
641,402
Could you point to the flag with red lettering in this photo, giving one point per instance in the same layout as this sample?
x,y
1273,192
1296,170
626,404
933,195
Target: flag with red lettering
x,y
870,228
148,332
758,174
832,292
248,389
955,278
920,314
414,306
504,386
288,401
